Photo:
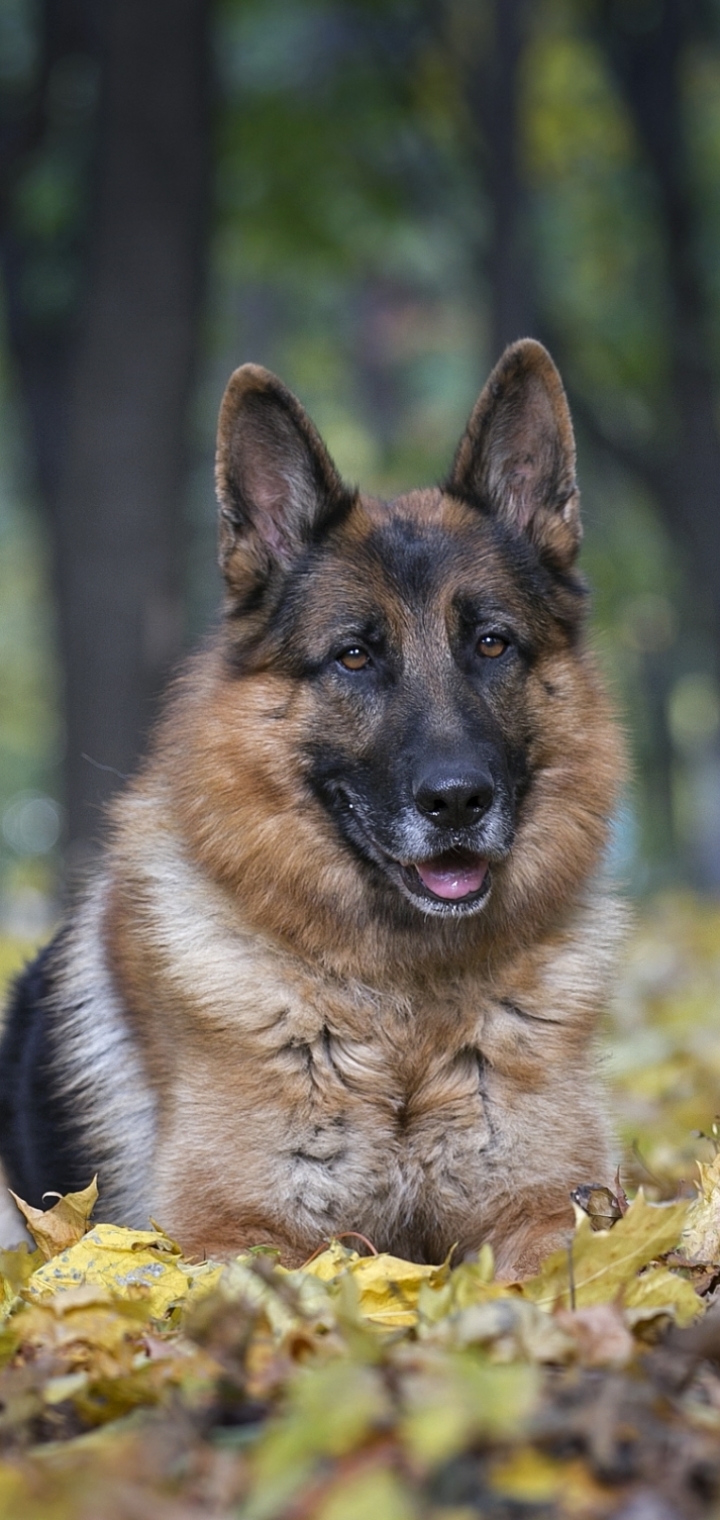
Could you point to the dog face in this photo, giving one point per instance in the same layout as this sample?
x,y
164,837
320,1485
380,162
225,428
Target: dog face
x,y
407,731
413,625
414,643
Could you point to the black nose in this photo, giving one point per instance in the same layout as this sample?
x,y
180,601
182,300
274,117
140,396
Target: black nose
x,y
454,798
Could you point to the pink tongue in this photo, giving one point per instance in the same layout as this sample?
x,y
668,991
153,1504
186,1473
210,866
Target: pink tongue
x,y
452,876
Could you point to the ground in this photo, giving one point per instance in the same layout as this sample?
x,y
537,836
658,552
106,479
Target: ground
x,y
137,1384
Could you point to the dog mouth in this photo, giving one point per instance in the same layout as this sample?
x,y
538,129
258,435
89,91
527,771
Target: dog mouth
x,y
454,883
456,879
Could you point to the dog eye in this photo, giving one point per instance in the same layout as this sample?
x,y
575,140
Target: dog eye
x,y
354,658
491,645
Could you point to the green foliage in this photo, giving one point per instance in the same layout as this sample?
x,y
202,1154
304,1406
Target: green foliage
x,y
312,144
351,225
599,256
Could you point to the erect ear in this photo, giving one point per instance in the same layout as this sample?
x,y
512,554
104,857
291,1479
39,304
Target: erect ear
x,y
277,485
517,456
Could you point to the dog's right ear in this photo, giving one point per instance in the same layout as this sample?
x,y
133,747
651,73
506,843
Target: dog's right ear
x,y
277,485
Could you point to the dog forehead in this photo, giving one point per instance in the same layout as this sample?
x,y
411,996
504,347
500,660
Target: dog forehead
x,y
418,548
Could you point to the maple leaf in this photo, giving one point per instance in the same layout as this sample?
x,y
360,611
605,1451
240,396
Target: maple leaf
x,y
600,1266
129,1263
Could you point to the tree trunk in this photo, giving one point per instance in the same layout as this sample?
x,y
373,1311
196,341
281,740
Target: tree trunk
x,y
491,91
119,510
648,66
32,129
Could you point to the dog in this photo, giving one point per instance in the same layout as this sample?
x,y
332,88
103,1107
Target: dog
x,y
343,963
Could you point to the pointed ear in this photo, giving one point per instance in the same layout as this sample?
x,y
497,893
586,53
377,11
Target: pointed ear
x,y
276,483
517,456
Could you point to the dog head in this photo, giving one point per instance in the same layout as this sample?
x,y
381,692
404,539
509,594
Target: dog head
x,y
430,724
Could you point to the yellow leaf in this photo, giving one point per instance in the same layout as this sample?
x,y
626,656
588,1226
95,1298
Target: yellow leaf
x,y
657,1290
604,1263
18,1264
327,1265
389,1288
14,1493
454,1399
331,1411
469,1284
55,1229
377,1495
282,1313
530,1477
701,1236
85,1325
203,1279
57,1390
16,1267
510,1328
129,1263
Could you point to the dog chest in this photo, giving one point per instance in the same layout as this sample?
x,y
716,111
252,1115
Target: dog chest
x,y
315,1105
334,1118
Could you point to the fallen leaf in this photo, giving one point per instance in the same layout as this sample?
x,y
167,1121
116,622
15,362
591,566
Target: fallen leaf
x,y
53,1230
130,1263
657,1290
511,1329
330,1262
467,1285
331,1410
529,1477
600,1334
283,1299
376,1495
389,1288
84,1326
453,1399
16,1268
701,1236
600,1204
598,1266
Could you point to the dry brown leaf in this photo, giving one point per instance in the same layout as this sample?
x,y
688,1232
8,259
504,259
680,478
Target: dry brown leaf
x,y
55,1229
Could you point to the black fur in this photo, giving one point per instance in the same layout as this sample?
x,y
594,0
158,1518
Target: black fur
x,y
39,1142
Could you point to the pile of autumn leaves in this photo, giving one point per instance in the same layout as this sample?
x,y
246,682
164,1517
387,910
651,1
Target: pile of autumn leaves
x,y
136,1384
360,1386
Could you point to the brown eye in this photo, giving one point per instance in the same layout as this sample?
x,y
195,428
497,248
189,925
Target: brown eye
x,y
491,646
354,658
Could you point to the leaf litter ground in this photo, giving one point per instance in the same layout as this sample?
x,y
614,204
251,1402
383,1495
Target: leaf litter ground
x,y
136,1383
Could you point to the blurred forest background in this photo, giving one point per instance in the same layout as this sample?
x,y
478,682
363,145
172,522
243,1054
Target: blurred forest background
x,y
371,197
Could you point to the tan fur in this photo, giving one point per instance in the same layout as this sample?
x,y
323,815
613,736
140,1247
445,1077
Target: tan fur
x,y
304,1066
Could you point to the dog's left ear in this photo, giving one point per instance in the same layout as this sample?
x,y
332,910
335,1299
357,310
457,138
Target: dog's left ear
x,y
517,456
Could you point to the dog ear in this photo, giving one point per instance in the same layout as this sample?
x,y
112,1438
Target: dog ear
x,y
276,483
517,456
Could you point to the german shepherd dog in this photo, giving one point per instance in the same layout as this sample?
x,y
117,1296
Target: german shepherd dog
x,y
343,964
